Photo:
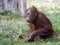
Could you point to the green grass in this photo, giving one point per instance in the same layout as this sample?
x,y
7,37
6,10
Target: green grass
x,y
11,28
11,25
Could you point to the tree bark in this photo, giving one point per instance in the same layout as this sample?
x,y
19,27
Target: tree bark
x,y
5,5
23,7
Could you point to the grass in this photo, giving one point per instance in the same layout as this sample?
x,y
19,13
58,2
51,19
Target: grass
x,y
11,25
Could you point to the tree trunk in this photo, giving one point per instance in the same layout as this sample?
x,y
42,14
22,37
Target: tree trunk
x,y
23,7
18,6
5,5
1,5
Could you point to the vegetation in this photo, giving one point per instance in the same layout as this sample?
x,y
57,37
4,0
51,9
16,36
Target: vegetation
x,y
11,25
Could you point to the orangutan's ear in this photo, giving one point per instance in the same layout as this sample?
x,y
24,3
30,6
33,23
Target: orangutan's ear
x,y
34,7
35,10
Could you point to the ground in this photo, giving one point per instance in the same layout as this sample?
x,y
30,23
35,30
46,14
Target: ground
x,y
11,25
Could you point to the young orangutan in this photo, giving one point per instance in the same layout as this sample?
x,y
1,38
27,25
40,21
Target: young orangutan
x,y
40,25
